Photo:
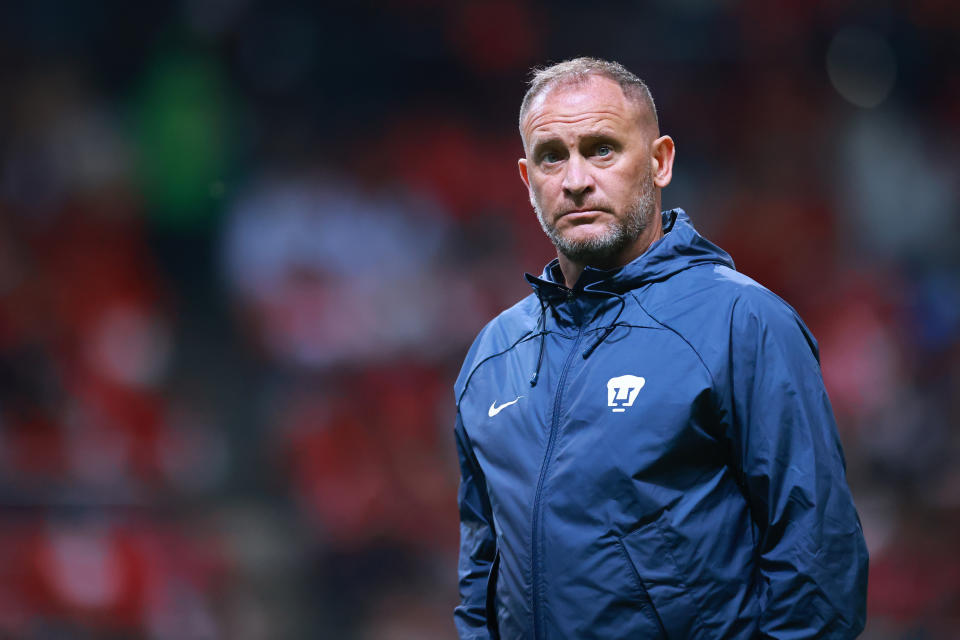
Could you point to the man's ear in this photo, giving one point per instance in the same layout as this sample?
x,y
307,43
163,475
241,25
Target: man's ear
x,y
522,165
661,156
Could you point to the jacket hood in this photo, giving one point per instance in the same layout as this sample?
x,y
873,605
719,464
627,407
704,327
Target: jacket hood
x,y
680,248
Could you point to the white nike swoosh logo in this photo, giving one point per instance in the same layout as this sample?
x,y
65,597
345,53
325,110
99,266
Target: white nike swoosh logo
x,y
494,409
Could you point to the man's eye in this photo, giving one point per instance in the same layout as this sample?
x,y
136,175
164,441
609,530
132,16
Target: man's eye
x,y
550,157
604,150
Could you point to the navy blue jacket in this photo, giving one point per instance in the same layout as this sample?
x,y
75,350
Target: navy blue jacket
x,y
653,455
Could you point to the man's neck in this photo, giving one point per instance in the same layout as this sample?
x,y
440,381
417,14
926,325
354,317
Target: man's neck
x,y
571,270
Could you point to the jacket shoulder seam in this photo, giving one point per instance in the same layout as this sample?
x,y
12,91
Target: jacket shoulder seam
x,y
466,383
713,382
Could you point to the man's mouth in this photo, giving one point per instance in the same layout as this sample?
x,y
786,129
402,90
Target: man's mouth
x,y
582,213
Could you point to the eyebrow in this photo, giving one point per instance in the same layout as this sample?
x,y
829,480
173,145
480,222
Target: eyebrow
x,y
540,145
604,135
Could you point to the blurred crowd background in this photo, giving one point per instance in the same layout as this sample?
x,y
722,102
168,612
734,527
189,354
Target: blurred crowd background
x,y
244,247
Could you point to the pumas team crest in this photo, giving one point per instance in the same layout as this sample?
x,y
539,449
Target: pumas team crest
x,y
622,391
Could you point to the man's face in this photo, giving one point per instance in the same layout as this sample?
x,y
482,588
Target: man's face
x,y
589,170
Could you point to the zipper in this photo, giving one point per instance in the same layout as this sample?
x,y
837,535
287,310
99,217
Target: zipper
x,y
537,508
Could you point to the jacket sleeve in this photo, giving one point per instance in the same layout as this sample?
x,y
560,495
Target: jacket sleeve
x,y
477,543
812,555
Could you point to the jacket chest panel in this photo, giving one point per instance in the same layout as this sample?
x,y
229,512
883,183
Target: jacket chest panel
x,y
634,430
627,421
508,422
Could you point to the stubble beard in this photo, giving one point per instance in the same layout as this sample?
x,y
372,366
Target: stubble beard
x,y
602,249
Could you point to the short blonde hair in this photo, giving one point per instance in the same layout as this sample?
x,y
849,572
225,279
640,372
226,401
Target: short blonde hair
x,y
578,70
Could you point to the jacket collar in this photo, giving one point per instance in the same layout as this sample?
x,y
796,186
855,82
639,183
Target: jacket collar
x,y
681,247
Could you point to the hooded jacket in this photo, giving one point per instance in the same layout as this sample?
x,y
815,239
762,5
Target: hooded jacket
x,y
652,454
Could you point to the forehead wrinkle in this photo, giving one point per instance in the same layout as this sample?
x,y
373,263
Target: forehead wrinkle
x,y
596,124
575,117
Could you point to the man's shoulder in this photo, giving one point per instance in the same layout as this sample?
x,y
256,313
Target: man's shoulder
x,y
509,325
723,287
501,333
750,299
712,305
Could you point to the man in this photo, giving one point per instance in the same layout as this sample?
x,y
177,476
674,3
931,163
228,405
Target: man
x,y
646,446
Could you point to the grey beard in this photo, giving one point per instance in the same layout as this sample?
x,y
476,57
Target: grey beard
x,y
600,250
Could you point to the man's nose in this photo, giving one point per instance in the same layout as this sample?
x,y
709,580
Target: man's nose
x,y
577,177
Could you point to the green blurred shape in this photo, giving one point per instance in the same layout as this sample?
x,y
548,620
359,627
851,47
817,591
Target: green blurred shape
x,y
182,130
